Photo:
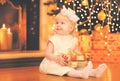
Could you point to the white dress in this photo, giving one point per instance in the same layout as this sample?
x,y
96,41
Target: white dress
x,y
62,44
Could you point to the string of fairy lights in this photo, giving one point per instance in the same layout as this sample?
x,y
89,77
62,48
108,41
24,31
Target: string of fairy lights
x,y
91,13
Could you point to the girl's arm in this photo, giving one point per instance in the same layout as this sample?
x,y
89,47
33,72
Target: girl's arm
x,y
49,53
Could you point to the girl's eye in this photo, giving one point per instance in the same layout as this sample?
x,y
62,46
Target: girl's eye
x,y
62,22
56,22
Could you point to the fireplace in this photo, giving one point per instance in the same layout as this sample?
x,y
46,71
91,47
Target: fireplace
x,y
19,25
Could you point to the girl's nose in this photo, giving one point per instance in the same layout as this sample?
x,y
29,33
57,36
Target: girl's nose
x,y
57,25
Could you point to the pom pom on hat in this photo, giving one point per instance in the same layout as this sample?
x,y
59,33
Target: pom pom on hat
x,y
70,14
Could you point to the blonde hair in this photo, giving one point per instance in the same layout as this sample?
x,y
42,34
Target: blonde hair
x,y
64,17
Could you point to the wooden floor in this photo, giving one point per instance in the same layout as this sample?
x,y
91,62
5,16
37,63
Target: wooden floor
x,y
32,74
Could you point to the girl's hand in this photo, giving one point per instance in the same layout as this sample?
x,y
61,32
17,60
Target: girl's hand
x,y
60,60
65,57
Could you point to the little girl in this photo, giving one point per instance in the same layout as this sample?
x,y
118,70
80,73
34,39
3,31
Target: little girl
x,y
61,43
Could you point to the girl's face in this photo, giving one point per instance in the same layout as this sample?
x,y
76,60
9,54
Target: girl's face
x,y
63,26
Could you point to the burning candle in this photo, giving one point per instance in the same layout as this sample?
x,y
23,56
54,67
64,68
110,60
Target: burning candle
x,y
9,39
3,38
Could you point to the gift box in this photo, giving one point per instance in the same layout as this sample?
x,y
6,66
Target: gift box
x,y
113,37
99,45
97,36
115,45
75,59
77,63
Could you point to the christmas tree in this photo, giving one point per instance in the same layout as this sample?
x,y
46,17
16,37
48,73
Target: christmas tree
x,y
91,13
101,19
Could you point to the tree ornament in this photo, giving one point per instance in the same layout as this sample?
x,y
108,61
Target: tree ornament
x,y
84,41
106,29
85,2
97,27
101,15
69,1
3,2
97,34
83,32
97,1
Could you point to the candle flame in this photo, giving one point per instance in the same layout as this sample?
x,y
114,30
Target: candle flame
x,y
8,30
3,25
